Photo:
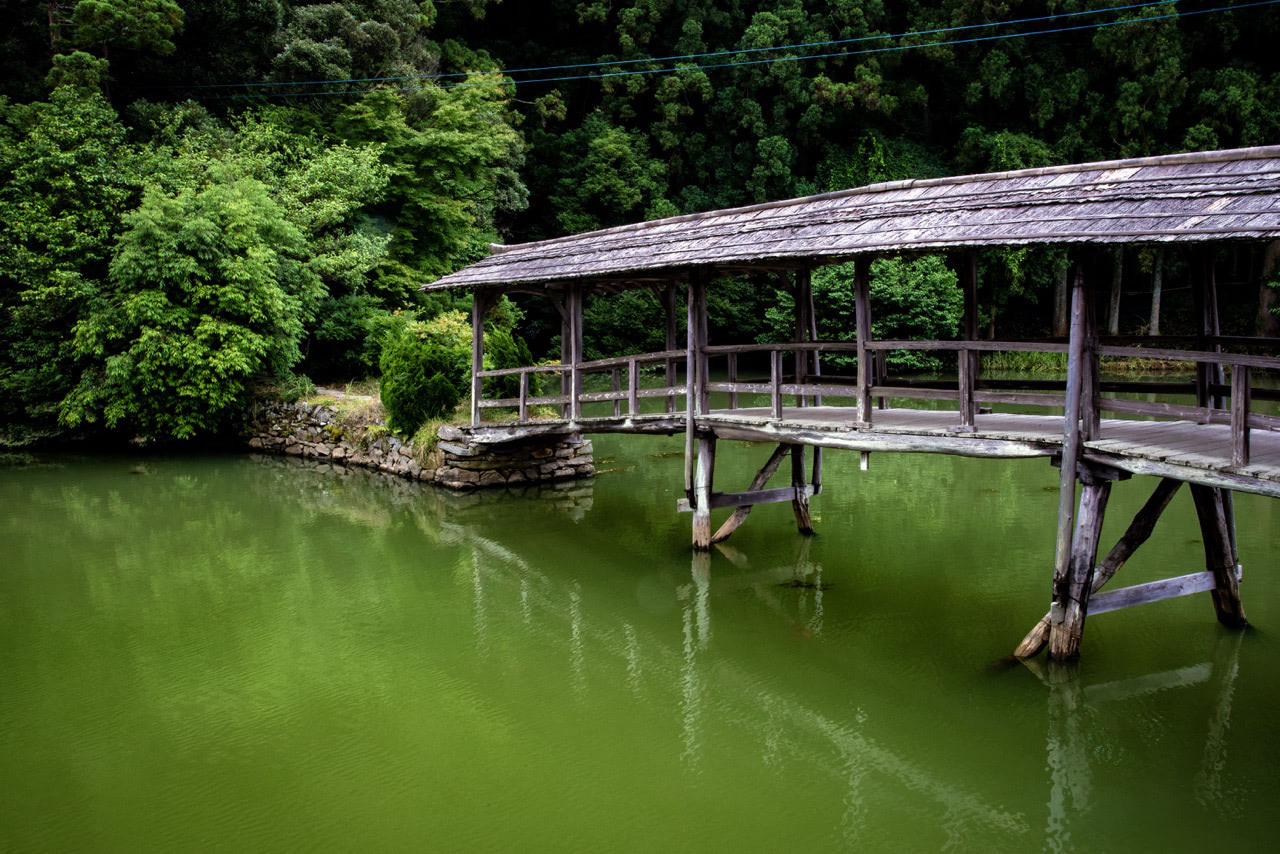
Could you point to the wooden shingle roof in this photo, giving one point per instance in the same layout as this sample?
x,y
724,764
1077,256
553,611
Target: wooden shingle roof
x,y
1197,197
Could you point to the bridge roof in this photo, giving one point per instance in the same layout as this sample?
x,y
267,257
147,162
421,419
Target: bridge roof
x,y
1180,198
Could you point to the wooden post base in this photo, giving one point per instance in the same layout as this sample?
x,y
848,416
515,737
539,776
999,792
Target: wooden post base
x,y
800,503
702,492
1071,592
1138,532
1219,554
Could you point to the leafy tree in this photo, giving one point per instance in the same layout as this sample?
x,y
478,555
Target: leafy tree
x,y
208,291
67,175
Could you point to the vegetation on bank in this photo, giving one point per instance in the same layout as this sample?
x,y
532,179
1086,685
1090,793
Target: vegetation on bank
x,y
199,197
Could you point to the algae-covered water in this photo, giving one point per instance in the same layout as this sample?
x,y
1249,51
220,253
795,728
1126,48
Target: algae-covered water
x,y
249,654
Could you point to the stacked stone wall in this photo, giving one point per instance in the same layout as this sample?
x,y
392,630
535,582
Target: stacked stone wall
x,y
319,432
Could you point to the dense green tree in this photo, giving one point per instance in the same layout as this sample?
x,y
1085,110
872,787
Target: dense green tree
x,y
208,291
67,175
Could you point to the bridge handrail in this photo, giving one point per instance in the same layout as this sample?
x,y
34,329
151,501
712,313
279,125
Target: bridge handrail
x,y
573,397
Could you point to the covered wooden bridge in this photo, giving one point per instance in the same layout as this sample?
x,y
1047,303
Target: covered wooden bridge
x,y
1215,441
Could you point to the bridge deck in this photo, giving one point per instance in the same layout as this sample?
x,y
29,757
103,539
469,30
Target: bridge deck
x,y
1196,453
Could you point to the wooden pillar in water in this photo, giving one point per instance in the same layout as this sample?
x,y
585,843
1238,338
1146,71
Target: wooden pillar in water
x,y
1065,609
478,308
800,503
1071,592
702,492
698,451
862,322
1219,554
1138,532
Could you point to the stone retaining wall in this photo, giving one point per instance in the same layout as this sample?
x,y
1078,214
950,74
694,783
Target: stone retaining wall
x,y
317,431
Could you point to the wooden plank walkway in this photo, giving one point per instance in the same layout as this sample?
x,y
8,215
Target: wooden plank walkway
x,y
1196,453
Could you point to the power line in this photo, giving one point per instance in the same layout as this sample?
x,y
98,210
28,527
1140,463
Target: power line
x,y
774,60
620,62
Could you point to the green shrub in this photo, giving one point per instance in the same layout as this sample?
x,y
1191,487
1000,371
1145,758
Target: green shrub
x,y
425,372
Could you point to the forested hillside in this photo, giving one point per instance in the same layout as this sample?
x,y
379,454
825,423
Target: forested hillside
x,y
197,196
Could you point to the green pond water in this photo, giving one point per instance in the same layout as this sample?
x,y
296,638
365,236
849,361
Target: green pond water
x,y
247,654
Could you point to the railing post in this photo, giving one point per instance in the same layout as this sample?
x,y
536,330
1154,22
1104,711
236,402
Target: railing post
x,y
732,359
477,354
862,307
524,397
775,382
633,389
968,272
802,303
615,383
966,392
672,340
1240,393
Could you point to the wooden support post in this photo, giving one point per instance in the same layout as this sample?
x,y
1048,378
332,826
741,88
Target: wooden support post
x,y
800,503
813,331
758,482
615,384
862,322
478,307
523,413
1090,415
700,279
672,340
1071,595
702,492
574,298
690,386
802,303
1239,415
732,359
775,382
1138,532
968,360
967,382
633,388
1063,581
1219,556
815,479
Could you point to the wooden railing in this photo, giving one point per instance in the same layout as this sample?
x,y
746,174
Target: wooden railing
x,y
970,392
572,397
1218,401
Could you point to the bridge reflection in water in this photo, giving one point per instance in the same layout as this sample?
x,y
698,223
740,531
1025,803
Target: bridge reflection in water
x,y
702,686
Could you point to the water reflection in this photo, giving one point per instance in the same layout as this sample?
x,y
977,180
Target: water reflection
x,y
711,691
1074,742
442,642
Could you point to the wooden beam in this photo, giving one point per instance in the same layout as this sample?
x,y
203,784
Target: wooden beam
x,y
478,307
800,491
1138,532
1070,450
672,339
1219,555
862,322
1239,415
743,500
690,380
757,483
968,359
1155,591
1071,595
702,493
